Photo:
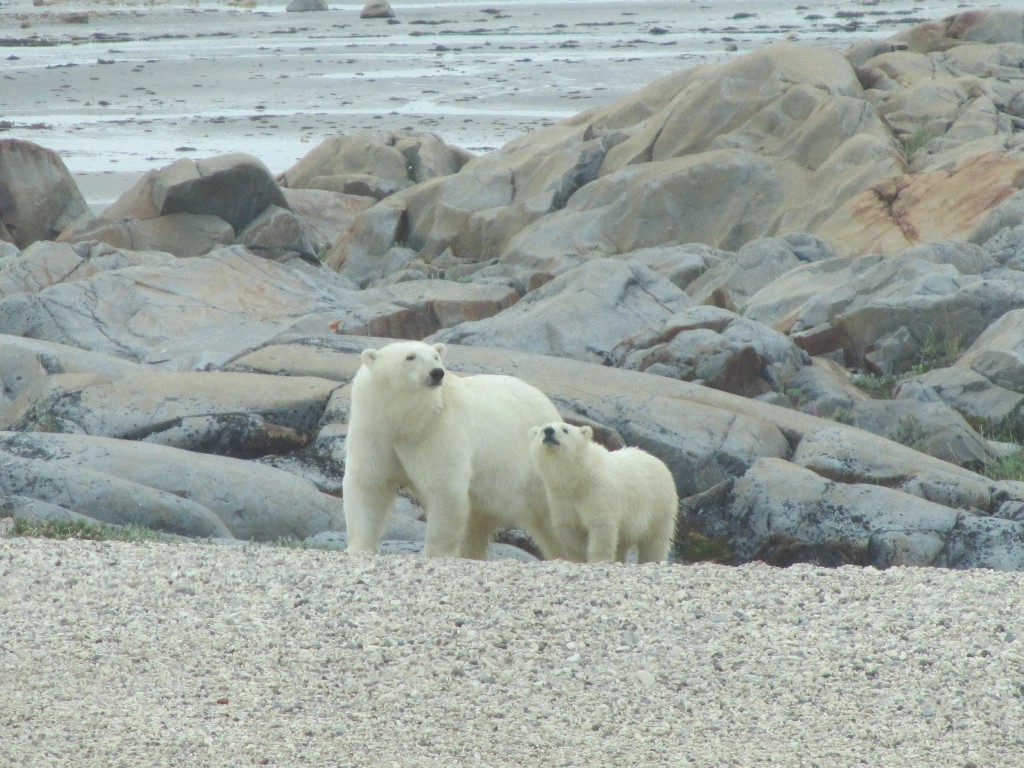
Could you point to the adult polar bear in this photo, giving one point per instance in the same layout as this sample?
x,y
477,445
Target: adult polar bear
x,y
460,444
603,503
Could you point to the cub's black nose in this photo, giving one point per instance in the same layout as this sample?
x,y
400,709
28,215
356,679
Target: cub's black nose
x,y
436,375
549,431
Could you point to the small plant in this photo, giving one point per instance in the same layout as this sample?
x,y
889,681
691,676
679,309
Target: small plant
x,y
879,387
910,432
939,350
691,546
80,529
912,144
842,415
1006,467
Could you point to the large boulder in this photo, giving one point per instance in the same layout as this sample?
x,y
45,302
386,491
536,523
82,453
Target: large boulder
x,y
188,207
245,415
127,482
38,196
582,314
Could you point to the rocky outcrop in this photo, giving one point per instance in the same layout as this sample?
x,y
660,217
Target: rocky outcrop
x,y
796,278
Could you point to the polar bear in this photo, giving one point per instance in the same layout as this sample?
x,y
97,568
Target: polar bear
x,y
460,444
604,502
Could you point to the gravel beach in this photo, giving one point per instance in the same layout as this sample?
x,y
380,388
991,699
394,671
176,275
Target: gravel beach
x,y
153,654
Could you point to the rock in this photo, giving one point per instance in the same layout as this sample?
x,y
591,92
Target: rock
x,y
26,508
38,196
985,26
731,283
373,162
235,414
904,211
780,513
235,187
714,347
178,314
183,234
377,9
186,208
416,309
998,353
123,482
823,388
24,363
996,409
278,234
583,314
888,314
325,215
932,427
853,456
301,6
105,498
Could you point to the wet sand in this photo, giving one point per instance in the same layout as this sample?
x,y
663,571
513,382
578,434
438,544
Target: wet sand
x,y
117,88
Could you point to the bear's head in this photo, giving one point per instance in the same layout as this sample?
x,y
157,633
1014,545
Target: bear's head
x,y
406,364
560,436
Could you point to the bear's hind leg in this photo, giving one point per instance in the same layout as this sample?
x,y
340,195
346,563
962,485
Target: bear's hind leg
x,y
655,546
479,534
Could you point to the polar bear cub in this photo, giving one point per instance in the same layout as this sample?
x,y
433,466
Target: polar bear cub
x,y
604,502
461,445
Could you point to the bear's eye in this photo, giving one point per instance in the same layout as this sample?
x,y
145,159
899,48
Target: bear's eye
x,y
565,430
410,357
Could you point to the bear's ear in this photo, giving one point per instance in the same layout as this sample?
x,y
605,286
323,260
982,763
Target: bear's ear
x,y
368,356
441,350
587,432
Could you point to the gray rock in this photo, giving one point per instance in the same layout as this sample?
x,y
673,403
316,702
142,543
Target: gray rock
x,y
38,196
582,314
106,498
853,456
302,6
377,9
183,234
971,394
178,314
932,427
717,348
234,187
234,414
998,353
782,514
124,482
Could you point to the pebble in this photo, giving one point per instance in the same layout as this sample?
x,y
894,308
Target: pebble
x,y
296,657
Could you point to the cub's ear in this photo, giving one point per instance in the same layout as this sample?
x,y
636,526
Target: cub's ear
x,y
441,350
368,356
587,432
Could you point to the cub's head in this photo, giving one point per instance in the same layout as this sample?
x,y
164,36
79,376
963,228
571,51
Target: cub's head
x,y
406,364
559,438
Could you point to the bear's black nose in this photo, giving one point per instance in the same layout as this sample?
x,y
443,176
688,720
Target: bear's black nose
x,y
436,375
549,431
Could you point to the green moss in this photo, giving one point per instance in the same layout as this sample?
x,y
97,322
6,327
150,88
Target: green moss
x,y
691,546
79,529
879,387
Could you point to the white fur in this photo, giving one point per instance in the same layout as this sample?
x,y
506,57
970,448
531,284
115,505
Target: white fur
x,y
604,502
462,447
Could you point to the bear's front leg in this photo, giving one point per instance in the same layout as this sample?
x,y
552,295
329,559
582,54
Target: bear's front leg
x,y
447,521
367,508
602,543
